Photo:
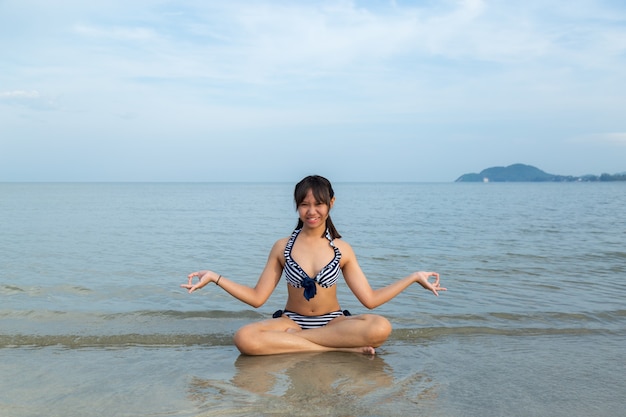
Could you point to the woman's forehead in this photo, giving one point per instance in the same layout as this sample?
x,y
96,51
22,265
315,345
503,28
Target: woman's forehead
x,y
315,195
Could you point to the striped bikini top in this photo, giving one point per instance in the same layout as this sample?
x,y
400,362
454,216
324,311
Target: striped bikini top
x,y
296,277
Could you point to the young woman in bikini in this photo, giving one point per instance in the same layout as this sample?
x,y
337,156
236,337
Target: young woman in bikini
x,y
311,260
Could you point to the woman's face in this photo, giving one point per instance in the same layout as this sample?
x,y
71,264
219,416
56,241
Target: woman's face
x,y
313,213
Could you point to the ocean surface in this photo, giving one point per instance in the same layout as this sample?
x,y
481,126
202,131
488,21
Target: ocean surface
x,y
93,321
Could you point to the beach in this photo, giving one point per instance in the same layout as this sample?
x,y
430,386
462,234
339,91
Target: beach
x,y
475,375
93,321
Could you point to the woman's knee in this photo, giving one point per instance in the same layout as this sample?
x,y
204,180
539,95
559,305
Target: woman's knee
x,y
379,329
247,341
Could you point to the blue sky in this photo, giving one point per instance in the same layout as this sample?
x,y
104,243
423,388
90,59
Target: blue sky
x,y
266,90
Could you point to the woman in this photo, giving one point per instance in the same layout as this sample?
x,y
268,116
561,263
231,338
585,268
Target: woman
x,y
312,259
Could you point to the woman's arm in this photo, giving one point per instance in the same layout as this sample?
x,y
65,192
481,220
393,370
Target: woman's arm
x,y
370,298
256,296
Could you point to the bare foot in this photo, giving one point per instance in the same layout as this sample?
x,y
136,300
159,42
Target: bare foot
x,y
366,350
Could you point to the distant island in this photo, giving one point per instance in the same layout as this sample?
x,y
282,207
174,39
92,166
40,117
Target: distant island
x,y
528,173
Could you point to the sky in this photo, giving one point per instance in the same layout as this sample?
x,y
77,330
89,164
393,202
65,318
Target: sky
x,y
261,90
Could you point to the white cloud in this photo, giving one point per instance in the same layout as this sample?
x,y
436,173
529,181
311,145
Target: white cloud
x,y
116,33
28,98
603,138
19,95
615,138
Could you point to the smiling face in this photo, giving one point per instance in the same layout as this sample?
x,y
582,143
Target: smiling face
x,y
314,197
313,212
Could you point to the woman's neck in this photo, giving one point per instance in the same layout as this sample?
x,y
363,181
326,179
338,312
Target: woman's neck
x,y
318,231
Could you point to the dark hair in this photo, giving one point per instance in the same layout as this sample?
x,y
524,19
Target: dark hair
x,y
323,193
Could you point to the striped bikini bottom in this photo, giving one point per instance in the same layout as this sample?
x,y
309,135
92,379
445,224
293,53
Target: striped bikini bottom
x,y
311,322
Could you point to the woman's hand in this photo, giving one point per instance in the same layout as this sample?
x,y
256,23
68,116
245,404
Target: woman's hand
x,y
204,278
421,278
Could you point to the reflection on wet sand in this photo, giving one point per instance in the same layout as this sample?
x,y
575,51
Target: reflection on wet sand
x,y
329,383
322,373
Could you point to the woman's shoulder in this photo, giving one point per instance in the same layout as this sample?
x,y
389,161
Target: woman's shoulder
x,y
343,246
280,244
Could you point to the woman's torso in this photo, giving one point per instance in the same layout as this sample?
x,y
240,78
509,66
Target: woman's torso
x,y
317,258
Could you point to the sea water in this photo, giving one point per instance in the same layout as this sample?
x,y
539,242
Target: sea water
x,y
93,321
